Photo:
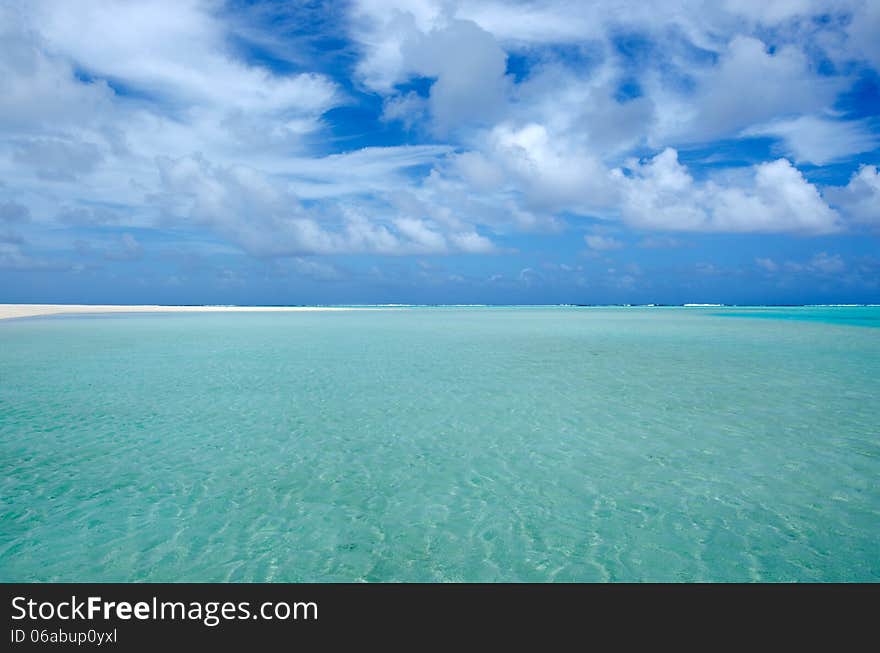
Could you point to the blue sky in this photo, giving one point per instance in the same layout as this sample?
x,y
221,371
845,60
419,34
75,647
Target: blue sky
x,y
440,152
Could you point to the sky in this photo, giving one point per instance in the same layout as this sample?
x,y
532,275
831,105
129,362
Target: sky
x,y
430,151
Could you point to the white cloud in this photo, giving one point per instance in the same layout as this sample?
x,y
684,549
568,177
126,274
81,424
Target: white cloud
x,y
551,173
821,264
175,49
409,108
661,194
381,27
465,63
420,233
563,128
862,33
448,200
566,21
57,158
472,242
749,85
602,243
314,269
278,224
180,88
528,276
144,115
40,88
860,198
810,139
478,171
468,67
827,264
61,121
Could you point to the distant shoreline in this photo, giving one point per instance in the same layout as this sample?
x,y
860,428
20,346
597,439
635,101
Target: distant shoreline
x,y
9,311
12,311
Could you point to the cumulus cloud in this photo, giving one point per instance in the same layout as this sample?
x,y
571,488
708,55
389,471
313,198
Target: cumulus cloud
x,y
468,67
749,85
552,174
380,28
860,198
661,194
563,128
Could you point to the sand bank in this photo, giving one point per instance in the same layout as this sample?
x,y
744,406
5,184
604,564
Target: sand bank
x,y
30,310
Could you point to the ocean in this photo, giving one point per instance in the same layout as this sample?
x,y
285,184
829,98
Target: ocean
x,y
443,444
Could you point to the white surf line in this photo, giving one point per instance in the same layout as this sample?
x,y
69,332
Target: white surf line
x,y
9,311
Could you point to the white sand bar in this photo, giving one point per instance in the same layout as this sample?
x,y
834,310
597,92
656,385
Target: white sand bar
x,y
30,310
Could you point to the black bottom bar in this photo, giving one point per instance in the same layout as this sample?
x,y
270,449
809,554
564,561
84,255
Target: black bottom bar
x,y
147,617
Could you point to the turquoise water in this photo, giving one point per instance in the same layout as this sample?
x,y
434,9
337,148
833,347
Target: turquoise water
x,y
868,316
477,444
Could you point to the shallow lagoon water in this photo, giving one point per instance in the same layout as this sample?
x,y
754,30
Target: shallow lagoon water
x,y
442,444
